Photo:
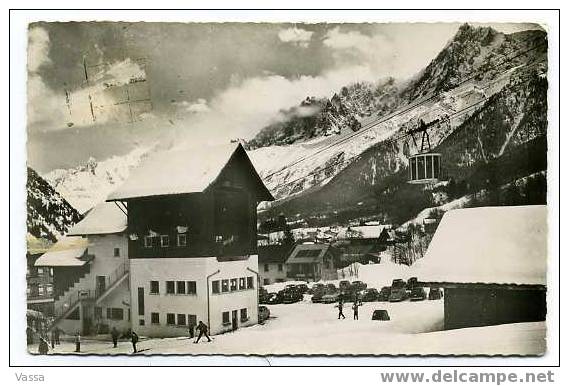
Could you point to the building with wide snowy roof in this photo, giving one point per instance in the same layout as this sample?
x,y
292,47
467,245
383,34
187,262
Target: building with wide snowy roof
x,y
492,262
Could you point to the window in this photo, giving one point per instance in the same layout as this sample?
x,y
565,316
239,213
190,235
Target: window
x,y
164,241
233,285
115,314
244,316
170,319
242,283
266,267
98,312
147,241
266,281
250,282
181,319
140,300
41,290
215,286
170,287
225,318
180,287
225,285
218,239
155,318
40,271
182,240
117,252
192,320
280,267
141,322
154,287
191,287
49,289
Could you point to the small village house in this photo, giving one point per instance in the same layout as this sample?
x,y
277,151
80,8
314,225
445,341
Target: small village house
x,y
272,263
91,270
192,240
39,280
491,262
313,262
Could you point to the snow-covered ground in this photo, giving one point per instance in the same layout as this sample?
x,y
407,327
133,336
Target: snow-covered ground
x,y
306,328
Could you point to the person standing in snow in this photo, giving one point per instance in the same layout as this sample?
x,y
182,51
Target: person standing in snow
x,y
115,336
57,331
52,336
77,342
341,310
43,347
191,329
355,307
134,340
202,328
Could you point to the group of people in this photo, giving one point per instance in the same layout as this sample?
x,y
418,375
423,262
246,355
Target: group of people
x,y
202,331
355,308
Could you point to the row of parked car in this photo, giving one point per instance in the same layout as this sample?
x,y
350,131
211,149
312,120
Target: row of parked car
x,y
399,290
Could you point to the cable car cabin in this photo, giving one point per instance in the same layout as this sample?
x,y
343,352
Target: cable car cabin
x,y
424,168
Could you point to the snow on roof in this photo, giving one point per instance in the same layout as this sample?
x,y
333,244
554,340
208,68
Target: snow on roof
x,y
498,245
308,253
37,245
273,253
362,232
105,218
67,252
178,172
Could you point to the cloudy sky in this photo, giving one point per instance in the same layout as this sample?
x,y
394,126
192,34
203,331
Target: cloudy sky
x,y
195,83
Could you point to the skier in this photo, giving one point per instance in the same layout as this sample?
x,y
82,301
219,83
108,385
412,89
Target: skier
x,y
202,328
340,310
57,331
52,336
77,342
43,347
115,336
355,308
134,340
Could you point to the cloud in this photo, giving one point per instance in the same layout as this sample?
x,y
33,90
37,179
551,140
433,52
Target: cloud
x,y
197,107
297,36
38,48
242,110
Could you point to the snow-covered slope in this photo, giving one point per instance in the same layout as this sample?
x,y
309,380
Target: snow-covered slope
x,y
49,215
87,185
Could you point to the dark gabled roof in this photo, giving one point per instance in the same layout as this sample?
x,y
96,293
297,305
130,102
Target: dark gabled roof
x,y
274,254
186,171
309,253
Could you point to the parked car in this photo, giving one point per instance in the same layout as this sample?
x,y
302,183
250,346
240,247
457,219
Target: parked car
x,y
302,288
263,295
369,295
418,293
274,298
291,296
264,313
380,315
398,283
316,287
344,285
330,298
384,294
435,293
317,297
397,294
331,287
359,285
412,283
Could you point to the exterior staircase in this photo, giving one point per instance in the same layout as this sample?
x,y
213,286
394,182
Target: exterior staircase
x,y
83,290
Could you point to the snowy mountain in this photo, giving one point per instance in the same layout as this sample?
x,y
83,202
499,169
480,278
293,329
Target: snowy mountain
x,y
89,184
494,131
49,215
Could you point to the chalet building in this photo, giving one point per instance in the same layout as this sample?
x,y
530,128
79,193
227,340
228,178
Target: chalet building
x,y
366,234
491,262
39,280
272,263
192,240
313,262
91,268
